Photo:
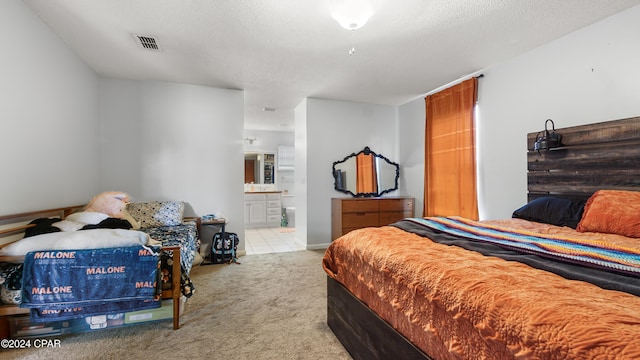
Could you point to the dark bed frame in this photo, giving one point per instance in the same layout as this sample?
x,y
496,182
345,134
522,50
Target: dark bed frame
x,y
596,156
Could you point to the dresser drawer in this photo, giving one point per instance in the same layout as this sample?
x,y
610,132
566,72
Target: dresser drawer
x,y
349,214
274,211
396,204
359,206
389,217
273,204
254,197
360,219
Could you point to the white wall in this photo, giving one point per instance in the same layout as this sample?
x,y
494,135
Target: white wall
x,y
302,171
49,137
588,76
585,77
167,141
335,129
51,134
267,141
67,134
411,134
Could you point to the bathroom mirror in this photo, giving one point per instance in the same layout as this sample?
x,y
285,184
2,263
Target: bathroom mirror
x,y
365,174
259,168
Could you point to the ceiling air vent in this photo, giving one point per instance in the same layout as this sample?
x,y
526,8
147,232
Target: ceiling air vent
x,y
148,42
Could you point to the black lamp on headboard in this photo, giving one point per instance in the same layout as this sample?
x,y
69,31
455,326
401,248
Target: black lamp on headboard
x,y
547,139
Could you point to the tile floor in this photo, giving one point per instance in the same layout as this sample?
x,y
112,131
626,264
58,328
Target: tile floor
x,y
271,240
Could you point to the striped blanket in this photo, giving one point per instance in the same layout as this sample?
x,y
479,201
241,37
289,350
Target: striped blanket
x,y
592,253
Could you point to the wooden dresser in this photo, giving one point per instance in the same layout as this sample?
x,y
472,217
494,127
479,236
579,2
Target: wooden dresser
x,y
354,213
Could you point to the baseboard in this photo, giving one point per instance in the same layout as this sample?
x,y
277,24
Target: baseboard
x,y
318,246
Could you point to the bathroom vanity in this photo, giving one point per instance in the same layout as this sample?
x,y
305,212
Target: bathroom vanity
x,y
262,209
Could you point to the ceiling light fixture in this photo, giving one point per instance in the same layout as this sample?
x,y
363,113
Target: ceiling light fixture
x,y
352,14
250,140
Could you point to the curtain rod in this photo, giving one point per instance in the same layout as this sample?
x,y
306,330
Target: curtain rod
x,y
452,83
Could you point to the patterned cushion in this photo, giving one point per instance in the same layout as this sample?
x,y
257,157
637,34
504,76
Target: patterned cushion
x,y
157,213
10,284
10,297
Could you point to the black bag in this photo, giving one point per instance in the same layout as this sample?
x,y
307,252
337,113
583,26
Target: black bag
x,y
223,247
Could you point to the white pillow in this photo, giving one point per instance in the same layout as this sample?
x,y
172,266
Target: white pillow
x,y
87,217
77,221
77,240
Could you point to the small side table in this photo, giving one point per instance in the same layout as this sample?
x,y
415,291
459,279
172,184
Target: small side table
x,y
218,222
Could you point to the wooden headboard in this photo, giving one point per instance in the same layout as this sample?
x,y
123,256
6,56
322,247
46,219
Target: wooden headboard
x,y
13,226
597,156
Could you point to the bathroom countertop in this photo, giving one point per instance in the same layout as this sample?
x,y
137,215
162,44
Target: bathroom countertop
x,y
262,192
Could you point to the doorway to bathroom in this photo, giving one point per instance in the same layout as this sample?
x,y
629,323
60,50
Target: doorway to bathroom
x,y
269,167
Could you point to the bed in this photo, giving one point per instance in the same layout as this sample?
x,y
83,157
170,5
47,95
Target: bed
x,y
174,237
428,288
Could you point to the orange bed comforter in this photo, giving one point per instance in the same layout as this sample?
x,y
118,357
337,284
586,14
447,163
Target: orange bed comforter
x,y
458,304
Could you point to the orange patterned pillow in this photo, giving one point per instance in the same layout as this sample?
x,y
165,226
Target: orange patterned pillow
x,y
612,212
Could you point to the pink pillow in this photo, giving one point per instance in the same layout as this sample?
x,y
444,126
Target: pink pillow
x,y
612,212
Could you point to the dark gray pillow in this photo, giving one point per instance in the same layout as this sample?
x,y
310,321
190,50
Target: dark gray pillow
x,y
552,210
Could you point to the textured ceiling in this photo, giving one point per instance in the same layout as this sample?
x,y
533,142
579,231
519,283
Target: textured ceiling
x,y
282,51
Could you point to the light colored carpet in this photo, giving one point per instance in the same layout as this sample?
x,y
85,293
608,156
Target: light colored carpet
x,y
272,306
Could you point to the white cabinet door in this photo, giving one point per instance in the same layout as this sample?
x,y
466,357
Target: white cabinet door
x,y
257,211
286,157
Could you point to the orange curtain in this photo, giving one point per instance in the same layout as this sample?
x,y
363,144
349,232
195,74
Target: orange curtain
x,y
367,181
450,162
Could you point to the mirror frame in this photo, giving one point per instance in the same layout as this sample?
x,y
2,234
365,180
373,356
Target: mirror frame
x,y
365,151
